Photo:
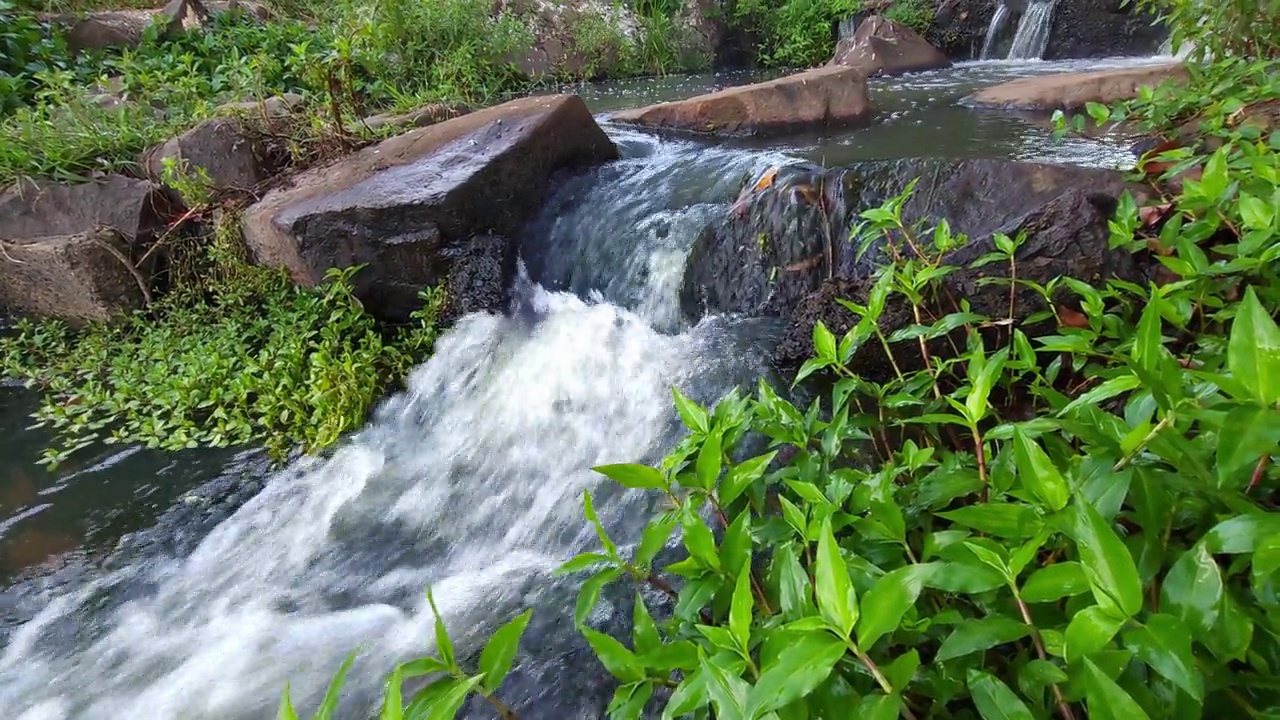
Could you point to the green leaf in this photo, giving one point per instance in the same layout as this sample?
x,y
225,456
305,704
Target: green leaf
x,y
1054,582
1253,351
644,631
680,655
1090,630
964,577
1107,700
1242,533
836,599
1000,519
694,417
793,515
900,672
803,665
740,608
333,695
1106,561
709,461
735,546
633,476
878,706
1038,473
1193,589
286,711
691,694
728,691
824,343
500,651
994,699
887,601
589,509
1164,643
444,646
589,595
629,701
392,701
794,590
448,703
654,538
616,658
582,562
1248,433
975,635
741,476
1256,213
698,538
1039,674
422,666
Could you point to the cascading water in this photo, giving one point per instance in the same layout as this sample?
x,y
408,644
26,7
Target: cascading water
x,y
470,482
998,20
1032,36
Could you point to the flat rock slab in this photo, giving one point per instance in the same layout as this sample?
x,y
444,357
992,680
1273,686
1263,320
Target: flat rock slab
x,y
1072,91
881,46
135,208
828,97
77,278
409,207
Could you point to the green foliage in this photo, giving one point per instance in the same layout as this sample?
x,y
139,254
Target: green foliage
x,y
916,14
1219,30
27,48
793,33
234,354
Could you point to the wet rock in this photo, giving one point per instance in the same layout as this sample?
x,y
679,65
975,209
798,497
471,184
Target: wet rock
x,y
789,233
1067,236
408,206
1081,29
829,97
68,251
1072,91
479,274
883,47
220,148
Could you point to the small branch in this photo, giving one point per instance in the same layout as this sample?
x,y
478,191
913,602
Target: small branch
x,y
1064,708
881,680
1257,472
504,712
1128,458
133,270
981,455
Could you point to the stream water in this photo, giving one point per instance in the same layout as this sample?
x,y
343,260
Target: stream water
x,y
469,481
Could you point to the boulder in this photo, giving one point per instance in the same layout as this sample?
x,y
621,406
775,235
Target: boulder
x,y
68,251
78,278
828,97
1072,91
410,206
220,148
1081,29
883,47
788,236
422,117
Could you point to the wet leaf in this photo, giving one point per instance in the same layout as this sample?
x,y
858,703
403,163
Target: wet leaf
x,y
698,539
803,665
741,606
836,599
694,417
1038,473
633,476
1106,561
1193,589
1107,700
975,635
392,701
1253,351
994,699
887,601
1054,582
1090,630
1164,643
286,711
616,658
500,651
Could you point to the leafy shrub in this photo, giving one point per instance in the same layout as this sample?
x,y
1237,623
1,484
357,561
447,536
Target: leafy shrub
x,y
234,354
794,33
1218,30
27,48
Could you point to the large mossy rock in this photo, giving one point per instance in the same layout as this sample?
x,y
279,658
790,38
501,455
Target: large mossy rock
x,y
881,46
70,251
828,97
785,250
411,207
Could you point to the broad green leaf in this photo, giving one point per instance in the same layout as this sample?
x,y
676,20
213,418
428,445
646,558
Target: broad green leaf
x,y
1038,473
629,701
964,577
447,705
616,658
695,595
994,699
900,672
698,538
285,710
1192,590
1001,519
422,666
444,646
793,515
691,694
887,601
1242,533
1265,577
710,459
633,476
1112,573
589,509
975,635
983,380
589,594
680,655
582,562
741,476
500,651
721,637
644,631
1256,213
1039,674
1054,582
654,538
1248,433
1253,351
1090,631
694,417
392,700
798,669
1107,700
824,343
836,599
878,706
728,691
795,594
1164,643
735,546
741,606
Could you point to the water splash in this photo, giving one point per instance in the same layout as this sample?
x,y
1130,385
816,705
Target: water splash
x,y
1032,37
998,21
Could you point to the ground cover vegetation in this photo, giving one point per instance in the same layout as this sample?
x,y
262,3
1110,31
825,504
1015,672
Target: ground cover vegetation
x,y
1073,523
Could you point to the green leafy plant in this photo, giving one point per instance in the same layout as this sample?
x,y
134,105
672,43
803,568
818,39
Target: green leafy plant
x,y
27,48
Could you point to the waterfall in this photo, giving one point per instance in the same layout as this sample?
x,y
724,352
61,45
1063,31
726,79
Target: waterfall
x,y
848,26
469,481
998,21
1032,36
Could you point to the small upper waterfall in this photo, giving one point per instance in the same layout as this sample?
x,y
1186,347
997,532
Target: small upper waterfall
x,y
998,21
1032,36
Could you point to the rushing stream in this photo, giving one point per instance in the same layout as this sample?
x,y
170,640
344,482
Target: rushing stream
x,y
470,481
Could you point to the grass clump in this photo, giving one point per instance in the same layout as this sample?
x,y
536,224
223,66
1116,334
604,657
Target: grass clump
x,y
232,355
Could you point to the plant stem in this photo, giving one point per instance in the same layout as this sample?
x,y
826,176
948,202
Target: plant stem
x,y
881,680
1064,708
1257,472
982,461
755,584
1128,458
504,712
